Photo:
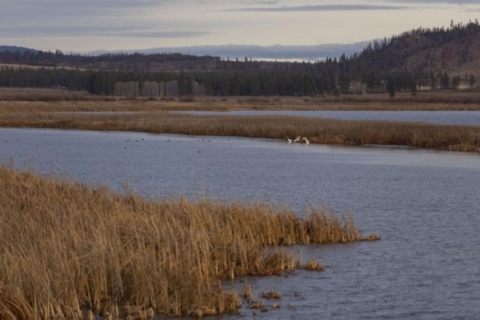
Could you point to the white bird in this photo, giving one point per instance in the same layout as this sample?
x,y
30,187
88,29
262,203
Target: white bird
x,y
306,140
297,139
289,140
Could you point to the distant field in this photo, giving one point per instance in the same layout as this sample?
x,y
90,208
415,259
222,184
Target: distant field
x,y
33,99
25,66
18,66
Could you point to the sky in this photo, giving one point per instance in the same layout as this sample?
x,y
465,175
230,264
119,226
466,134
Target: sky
x,y
89,25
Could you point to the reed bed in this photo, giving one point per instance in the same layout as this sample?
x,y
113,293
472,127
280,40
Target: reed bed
x,y
426,97
320,131
48,95
49,100
67,249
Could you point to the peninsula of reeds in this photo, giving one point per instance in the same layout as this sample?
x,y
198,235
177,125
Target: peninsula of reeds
x,y
67,249
35,108
320,131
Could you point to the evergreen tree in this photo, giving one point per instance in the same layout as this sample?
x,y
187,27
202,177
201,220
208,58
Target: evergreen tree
x,y
391,86
456,82
413,87
471,81
444,81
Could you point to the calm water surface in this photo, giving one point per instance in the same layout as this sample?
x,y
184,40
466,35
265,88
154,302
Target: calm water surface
x,y
424,204
470,118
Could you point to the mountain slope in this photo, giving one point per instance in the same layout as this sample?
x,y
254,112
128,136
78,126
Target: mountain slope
x,y
455,51
15,49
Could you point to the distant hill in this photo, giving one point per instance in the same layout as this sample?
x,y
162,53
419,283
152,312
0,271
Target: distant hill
x,y
455,50
276,52
165,62
421,59
16,49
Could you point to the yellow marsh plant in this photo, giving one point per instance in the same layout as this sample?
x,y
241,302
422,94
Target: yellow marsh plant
x,y
66,248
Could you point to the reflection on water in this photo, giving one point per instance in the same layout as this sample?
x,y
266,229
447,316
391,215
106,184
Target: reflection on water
x,y
424,204
470,118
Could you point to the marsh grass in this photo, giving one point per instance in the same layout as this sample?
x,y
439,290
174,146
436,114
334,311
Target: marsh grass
x,y
48,95
271,294
64,100
320,131
427,97
67,249
13,306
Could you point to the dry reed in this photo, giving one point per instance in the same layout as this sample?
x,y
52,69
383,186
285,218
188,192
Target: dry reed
x,y
67,249
271,294
14,306
313,265
321,131
64,100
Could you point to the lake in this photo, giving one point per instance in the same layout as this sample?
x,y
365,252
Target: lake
x,y
424,204
470,118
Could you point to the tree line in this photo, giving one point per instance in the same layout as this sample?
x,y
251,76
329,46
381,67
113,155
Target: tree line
x,y
377,68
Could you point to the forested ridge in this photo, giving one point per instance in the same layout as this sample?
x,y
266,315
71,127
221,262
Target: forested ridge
x,y
421,59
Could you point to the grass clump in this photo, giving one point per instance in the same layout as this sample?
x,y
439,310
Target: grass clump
x,y
271,294
13,306
67,249
313,265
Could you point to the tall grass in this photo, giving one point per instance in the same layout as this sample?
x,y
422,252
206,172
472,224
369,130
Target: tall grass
x,y
48,95
63,100
428,97
66,248
322,131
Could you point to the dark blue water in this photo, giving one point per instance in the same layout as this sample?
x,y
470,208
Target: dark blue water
x,y
424,204
470,118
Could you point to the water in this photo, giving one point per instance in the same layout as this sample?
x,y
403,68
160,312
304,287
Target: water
x,y
470,118
424,205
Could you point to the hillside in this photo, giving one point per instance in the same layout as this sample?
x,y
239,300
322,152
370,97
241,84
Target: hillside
x,y
160,62
15,49
422,59
455,50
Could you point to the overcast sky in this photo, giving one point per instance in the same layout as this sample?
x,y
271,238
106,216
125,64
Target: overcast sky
x,y
86,25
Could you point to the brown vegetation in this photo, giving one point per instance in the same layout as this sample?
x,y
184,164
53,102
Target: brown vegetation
x,y
271,294
68,249
48,95
48,114
320,131
53,100
14,307
313,265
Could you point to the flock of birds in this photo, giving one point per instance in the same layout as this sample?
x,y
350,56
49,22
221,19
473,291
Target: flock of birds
x,y
297,140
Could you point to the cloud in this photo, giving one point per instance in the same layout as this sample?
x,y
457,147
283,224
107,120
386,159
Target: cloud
x,y
94,4
328,7
39,9
459,2
94,31
165,34
265,2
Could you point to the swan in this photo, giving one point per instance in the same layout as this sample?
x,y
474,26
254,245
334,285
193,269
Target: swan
x,y
297,139
289,140
306,140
